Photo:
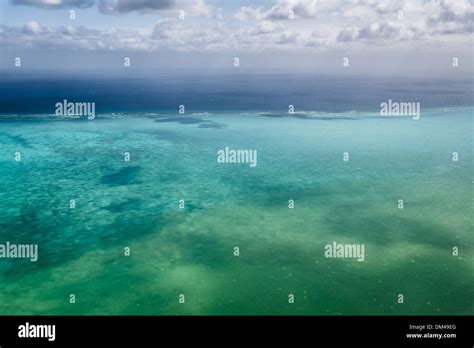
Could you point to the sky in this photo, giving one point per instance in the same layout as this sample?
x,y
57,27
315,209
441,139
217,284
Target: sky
x,y
388,37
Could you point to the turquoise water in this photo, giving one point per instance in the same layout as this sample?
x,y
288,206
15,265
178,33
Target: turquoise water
x,y
191,251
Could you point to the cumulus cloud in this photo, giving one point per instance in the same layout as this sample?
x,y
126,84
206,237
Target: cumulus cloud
x,y
71,37
55,3
299,8
124,6
246,13
317,25
266,27
454,17
117,7
348,34
393,21
183,36
388,6
32,28
288,37
283,9
384,31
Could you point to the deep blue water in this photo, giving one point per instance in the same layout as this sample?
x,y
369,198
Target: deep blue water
x,y
38,94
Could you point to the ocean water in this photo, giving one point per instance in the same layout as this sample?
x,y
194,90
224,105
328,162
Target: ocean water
x,y
191,251
138,92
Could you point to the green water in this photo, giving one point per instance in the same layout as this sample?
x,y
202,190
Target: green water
x,y
191,251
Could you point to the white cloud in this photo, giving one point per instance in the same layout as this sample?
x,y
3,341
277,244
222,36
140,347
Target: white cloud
x,y
453,17
288,37
117,7
300,8
55,3
266,27
183,36
124,6
383,31
32,28
348,34
317,25
280,11
246,13
33,34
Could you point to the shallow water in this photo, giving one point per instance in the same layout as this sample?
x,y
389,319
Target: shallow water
x,y
191,251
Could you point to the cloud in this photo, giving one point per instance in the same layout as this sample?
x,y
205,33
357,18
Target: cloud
x,y
124,6
383,31
454,17
55,4
184,36
118,7
348,34
300,8
266,27
419,20
35,35
246,13
389,6
32,28
280,11
288,37
325,25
